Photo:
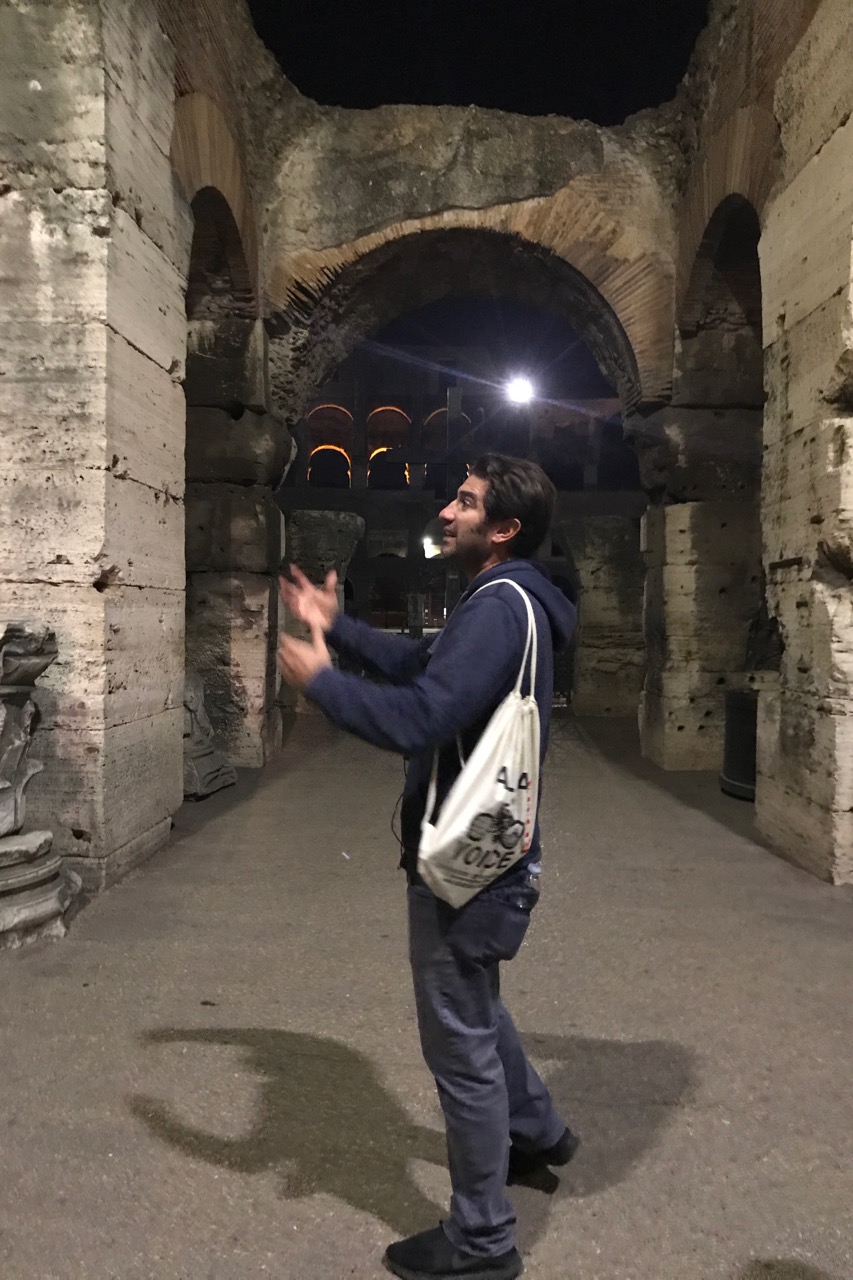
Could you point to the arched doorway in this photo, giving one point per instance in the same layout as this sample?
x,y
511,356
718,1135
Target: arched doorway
x,y
706,620
235,454
448,408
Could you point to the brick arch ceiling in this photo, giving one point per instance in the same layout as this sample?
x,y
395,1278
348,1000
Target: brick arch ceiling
x,y
740,159
204,154
399,276
632,277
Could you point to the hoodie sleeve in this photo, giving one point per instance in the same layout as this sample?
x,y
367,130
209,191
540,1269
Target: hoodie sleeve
x,y
397,658
470,672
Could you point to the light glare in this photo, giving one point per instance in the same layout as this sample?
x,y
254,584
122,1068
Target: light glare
x,y
519,390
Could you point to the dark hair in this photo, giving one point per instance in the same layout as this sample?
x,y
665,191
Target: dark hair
x,y
518,489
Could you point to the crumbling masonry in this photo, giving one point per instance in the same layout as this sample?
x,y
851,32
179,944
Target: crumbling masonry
x,y
189,247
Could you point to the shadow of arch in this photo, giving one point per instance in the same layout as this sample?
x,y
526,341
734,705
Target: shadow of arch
x,y
322,327
326,1124
782,1269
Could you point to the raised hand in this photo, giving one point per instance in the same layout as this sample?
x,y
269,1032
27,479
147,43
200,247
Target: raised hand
x,y
315,606
300,660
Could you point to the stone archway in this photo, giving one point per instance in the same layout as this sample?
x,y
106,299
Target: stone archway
x,y
314,333
311,338
235,456
703,616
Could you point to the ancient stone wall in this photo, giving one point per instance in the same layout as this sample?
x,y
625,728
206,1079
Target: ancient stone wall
x,y
120,116
96,245
94,332
609,652
763,124
805,796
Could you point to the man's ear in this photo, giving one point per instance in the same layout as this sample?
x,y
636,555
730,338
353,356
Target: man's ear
x,y
505,530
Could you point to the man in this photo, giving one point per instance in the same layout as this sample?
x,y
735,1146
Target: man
x,y
498,1114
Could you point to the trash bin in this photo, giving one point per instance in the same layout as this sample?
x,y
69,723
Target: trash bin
x,y
738,776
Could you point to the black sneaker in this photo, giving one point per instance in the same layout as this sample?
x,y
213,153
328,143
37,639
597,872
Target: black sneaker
x,y
431,1256
524,1163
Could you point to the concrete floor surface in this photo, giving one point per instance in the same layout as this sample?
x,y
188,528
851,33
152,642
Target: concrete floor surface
x,y
216,1075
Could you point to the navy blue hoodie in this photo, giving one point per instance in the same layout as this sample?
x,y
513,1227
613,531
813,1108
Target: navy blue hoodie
x,y
446,685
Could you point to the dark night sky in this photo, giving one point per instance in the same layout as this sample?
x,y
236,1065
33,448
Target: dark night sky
x,y
600,60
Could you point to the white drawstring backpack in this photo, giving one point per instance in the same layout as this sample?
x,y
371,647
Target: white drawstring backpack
x,y
487,820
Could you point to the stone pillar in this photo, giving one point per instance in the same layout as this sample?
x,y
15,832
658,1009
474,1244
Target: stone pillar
x,y
318,541
35,889
234,539
609,655
91,443
701,594
804,799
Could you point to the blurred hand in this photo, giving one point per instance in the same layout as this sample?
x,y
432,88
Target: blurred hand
x,y
315,606
300,660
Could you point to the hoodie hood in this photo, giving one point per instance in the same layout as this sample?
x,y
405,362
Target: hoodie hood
x,y
529,575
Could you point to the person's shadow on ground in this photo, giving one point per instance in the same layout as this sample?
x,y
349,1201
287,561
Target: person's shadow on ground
x,y
327,1124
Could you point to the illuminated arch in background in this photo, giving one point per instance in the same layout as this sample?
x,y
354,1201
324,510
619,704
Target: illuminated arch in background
x,y
388,432
388,427
331,424
331,476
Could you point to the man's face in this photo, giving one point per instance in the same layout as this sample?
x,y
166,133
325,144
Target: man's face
x,y
466,530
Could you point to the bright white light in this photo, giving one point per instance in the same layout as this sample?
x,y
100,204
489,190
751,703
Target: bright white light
x,y
430,549
519,390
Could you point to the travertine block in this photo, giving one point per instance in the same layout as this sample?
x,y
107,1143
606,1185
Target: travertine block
x,y
144,536
805,244
144,654
104,789
814,92
690,533
232,527
608,675
150,749
699,454
53,105
250,449
702,592
799,811
801,368
146,295
678,735
54,530
52,399
609,656
226,363
139,85
145,420
53,256
719,368
232,631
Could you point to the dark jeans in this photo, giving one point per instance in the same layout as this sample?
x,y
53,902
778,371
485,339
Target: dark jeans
x,y
488,1091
